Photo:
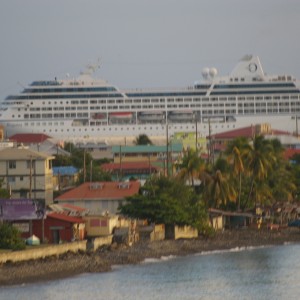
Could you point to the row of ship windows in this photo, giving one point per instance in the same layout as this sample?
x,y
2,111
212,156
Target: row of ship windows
x,y
241,109
174,106
169,100
123,128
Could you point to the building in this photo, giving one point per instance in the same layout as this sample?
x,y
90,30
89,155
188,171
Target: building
x,y
218,142
126,170
64,177
27,174
189,140
146,153
59,227
100,197
40,142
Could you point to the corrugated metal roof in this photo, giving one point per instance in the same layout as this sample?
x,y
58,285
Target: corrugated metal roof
x,y
64,217
147,148
129,166
67,170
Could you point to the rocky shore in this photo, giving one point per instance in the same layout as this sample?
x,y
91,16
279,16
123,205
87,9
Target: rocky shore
x,y
102,260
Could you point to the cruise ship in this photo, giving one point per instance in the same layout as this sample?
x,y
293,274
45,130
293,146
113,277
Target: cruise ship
x,y
88,108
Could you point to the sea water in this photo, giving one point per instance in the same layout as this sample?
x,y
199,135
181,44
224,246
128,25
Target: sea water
x,y
247,273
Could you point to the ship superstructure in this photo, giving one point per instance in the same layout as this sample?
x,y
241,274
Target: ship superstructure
x,y
92,108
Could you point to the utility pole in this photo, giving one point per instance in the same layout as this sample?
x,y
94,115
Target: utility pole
x,y
120,154
167,158
91,172
84,167
196,134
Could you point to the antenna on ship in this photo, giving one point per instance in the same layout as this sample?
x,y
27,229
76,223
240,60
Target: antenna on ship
x,y
91,68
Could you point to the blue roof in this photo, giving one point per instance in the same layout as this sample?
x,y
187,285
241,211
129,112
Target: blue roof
x,y
68,170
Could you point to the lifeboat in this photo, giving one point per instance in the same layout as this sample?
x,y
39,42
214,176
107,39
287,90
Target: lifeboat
x,y
121,115
181,115
98,116
151,116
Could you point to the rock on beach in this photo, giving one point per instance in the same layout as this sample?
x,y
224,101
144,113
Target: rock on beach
x,y
102,260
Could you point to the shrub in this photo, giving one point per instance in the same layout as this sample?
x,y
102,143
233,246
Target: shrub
x,y
10,237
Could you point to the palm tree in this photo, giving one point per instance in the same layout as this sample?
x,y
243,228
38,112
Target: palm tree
x,y
219,190
190,166
142,139
234,151
259,160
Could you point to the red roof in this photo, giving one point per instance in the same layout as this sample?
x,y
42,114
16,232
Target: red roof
x,y
247,132
73,207
289,153
29,138
101,190
64,217
142,165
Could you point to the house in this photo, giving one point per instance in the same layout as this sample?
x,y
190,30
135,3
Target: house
x,y
100,225
27,174
40,142
97,150
226,219
146,153
100,197
162,156
59,227
218,142
127,170
64,177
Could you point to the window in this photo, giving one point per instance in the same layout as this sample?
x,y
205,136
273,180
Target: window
x,y
11,179
29,164
12,164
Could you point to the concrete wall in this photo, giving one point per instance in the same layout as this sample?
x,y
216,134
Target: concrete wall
x,y
42,252
100,241
37,253
186,232
180,232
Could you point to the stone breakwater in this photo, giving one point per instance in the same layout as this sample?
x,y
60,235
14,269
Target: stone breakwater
x,y
102,260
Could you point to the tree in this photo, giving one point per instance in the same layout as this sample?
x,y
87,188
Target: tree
x,y
166,200
10,237
142,139
219,191
4,193
190,166
259,159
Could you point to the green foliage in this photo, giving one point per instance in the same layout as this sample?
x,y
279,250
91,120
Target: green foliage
x,y
94,174
166,200
4,193
10,237
143,139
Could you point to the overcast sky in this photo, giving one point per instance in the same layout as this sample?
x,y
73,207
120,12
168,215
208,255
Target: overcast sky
x,y
144,43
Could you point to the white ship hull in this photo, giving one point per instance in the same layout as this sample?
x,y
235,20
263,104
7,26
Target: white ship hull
x,y
111,133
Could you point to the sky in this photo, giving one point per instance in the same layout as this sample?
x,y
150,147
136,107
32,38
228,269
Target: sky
x,y
144,43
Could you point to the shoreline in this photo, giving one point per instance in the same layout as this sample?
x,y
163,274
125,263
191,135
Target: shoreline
x,y
104,258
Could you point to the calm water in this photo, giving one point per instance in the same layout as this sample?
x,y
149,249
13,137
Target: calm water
x,y
262,273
